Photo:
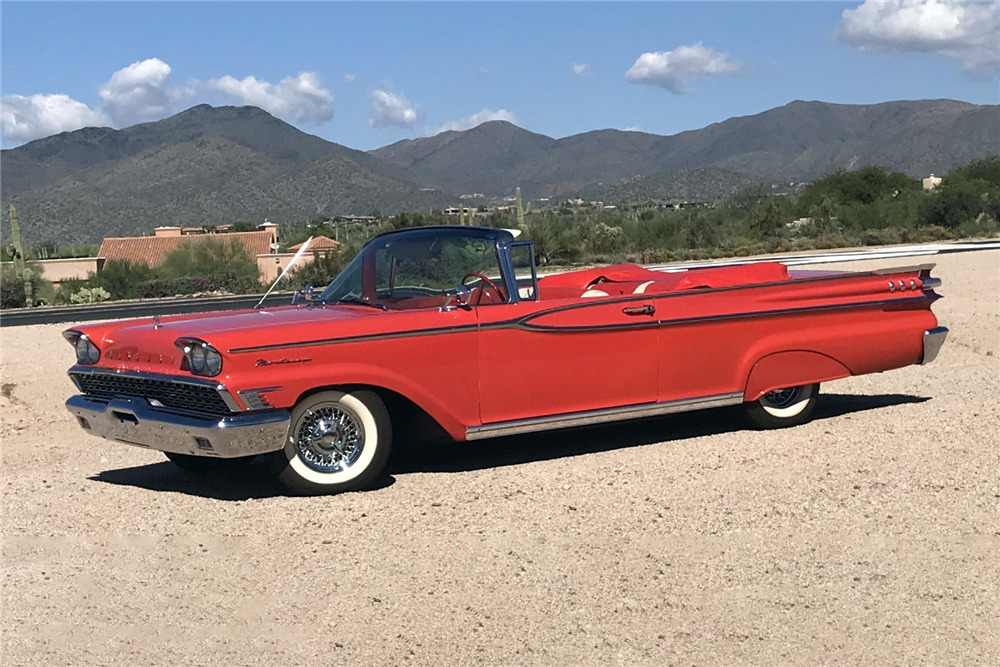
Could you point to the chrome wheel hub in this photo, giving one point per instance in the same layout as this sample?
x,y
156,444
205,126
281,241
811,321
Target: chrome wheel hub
x,y
782,398
329,439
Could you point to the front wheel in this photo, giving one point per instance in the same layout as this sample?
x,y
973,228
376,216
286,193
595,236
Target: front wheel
x,y
337,441
790,406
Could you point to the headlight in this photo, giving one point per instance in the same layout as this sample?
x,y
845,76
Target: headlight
x,y
87,353
202,358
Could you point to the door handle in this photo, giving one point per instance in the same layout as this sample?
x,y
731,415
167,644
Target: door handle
x,y
639,310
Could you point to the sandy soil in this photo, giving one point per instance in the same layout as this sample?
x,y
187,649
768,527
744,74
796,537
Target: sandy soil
x,y
869,536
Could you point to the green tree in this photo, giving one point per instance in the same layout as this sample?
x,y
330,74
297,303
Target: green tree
x,y
121,278
223,264
967,197
863,186
768,219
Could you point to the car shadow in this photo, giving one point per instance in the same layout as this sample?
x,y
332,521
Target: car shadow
x,y
249,482
515,450
256,482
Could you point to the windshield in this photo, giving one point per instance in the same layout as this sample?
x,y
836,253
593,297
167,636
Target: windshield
x,y
419,268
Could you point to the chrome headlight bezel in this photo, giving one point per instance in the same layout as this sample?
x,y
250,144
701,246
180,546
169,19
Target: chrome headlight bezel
x,y
87,353
200,357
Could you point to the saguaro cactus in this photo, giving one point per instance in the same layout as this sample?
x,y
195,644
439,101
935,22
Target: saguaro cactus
x,y
15,236
21,272
521,210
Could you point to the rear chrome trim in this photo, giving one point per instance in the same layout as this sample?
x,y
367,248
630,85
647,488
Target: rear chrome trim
x,y
589,417
930,283
903,269
933,340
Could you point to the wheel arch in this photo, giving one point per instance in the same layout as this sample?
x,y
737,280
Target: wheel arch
x,y
791,368
411,422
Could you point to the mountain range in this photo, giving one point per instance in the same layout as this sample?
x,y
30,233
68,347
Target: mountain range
x,y
213,165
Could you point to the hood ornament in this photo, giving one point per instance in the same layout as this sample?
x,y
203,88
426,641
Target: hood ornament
x,y
156,321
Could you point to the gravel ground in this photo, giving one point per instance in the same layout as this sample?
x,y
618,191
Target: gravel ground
x,y
869,536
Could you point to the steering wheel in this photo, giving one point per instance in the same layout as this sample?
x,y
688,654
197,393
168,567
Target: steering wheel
x,y
485,282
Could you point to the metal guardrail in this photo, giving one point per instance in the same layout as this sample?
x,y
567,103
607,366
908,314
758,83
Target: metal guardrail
x,y
146,308
122,310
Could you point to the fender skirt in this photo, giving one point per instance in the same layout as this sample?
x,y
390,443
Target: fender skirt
x,y
791,369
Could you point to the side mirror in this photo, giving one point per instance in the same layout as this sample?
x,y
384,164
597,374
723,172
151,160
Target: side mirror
x,y
305,295
460,298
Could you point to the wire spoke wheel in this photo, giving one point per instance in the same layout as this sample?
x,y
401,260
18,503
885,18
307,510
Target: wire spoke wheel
x,y
337,441
330,439
781,399
787,406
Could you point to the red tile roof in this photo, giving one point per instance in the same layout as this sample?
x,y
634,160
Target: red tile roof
x,y
153,250
318,243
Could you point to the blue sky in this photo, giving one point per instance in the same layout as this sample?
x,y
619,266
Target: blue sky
x,y
367,74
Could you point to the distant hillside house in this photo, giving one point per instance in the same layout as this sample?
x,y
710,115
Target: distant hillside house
x,y
931,182
318,243
153,250
261,244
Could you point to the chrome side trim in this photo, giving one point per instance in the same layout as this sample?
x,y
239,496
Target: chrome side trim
x,y
228,398
525,323
133,421
466,328
933,340
253,400
589,417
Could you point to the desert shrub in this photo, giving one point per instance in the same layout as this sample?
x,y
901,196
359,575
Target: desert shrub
x,y
932,233
90,295
121,278
163,287
210,257
12,293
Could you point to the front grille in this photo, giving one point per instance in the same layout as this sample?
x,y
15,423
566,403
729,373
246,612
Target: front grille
x,y
180,396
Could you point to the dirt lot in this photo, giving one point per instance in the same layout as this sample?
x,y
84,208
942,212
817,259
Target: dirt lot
x,y
869,536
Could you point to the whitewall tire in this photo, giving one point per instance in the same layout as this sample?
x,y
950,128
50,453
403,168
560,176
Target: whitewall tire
x,y
337,441
789,406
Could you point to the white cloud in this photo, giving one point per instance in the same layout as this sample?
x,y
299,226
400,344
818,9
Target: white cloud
x,y
37,116
472,121
966,31
390,109
674,70
302,97
350,78
581,69
143,91
140,92
632,128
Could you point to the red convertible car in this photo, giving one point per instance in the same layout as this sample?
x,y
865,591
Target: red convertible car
x,y
452,326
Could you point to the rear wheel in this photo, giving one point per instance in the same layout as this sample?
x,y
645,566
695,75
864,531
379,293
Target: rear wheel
x,y
337,441
207,464
779,408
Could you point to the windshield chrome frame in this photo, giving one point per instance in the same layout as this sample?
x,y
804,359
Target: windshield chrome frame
x,y
503,240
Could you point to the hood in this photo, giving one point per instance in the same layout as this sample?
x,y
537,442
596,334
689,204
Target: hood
x,y
149,345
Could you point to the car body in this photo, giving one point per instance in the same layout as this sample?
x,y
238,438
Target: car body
x,y
452,326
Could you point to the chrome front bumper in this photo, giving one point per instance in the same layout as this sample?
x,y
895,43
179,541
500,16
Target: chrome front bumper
x,y
933,340
133,421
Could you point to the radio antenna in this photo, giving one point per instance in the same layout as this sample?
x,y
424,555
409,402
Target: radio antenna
x,y
295,258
